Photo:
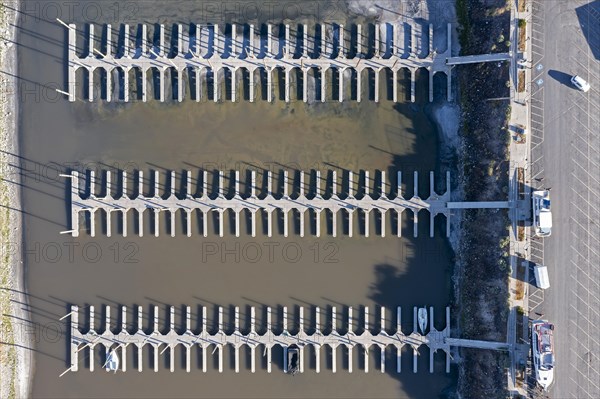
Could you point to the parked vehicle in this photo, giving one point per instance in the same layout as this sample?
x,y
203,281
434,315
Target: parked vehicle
x,y
542,216
541,276
542,342
580,83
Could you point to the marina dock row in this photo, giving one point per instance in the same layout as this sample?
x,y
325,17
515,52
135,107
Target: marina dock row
x,y
222,201
200,49
237,338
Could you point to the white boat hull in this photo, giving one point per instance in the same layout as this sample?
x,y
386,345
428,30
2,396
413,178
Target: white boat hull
x,y
542,341
112,361
422,318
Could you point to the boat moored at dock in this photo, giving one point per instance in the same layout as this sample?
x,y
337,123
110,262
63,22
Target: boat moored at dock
x,y
422,316
112,360
293,359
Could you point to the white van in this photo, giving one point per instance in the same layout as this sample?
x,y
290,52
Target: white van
x,y
542,216
541,276
580,83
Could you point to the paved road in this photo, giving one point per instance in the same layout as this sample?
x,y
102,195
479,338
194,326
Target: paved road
x,y
567,153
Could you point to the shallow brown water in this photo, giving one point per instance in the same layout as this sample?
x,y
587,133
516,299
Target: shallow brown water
x,y
198,271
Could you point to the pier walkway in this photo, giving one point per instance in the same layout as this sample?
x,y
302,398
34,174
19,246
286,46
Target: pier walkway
x,y
480,205
237,338
400,46
474,59
222,201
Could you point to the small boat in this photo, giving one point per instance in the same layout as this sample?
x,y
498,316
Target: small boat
x,y
293,359
422,316
542,341
112,360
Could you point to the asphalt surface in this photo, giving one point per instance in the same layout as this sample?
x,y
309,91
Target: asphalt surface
x,y
566,154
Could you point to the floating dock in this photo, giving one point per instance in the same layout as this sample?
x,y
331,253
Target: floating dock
x,y
236,338
222,201
395,47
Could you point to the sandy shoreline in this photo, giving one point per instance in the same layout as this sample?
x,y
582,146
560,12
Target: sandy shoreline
x,y
16,357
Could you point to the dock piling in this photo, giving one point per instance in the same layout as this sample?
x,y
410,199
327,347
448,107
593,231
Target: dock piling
x,y
251,41
341,52
233,40
269,73
323,84
333,331
305,41
323,49
126,43
377,45
413,73
162,49
358,84
359,39
305,85
287,42
413,41
269,40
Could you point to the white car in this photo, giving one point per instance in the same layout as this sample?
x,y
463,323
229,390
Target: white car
x,y
580,83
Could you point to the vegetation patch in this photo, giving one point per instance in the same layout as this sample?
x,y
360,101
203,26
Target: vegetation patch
x,y
521,82
484,252
520,291
521,180
522,34
521,5
521,231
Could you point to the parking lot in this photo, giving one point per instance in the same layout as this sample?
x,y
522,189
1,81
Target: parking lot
x,y
566,159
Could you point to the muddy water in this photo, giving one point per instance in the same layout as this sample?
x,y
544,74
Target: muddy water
x,y
277,271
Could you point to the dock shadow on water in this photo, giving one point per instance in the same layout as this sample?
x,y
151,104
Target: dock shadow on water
x,y
421,275
58,137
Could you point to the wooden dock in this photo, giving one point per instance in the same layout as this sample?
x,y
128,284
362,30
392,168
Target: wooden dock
x,y
223,201
265,336
196,57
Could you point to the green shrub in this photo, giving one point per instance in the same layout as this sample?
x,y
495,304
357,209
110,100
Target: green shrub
x,y
520,310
